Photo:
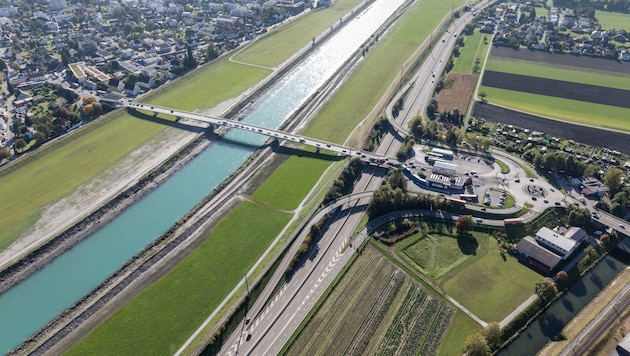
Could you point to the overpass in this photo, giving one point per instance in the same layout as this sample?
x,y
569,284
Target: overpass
x,y
368,157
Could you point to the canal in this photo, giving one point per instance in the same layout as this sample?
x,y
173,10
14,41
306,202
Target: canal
x,y
36,301
552,321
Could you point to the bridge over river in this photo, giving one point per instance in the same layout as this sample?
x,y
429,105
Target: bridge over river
x,y
368,157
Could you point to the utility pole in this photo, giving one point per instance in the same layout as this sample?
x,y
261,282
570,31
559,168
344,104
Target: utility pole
x,y
246,283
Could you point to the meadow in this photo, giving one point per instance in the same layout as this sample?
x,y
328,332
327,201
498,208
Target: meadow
x,y
493,276
609,20
474,47
159,320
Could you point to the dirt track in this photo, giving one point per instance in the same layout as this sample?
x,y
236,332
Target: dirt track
x,y
589,135
557,88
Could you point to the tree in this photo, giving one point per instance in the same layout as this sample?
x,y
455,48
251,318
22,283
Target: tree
x,y
397,180
546,289
613,179
5,153
483,96
579,216
463,224
605,238
492,334
19,144
562,276
476,345
213,51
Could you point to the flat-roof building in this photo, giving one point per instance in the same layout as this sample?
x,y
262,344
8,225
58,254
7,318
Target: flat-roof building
x,y
560,244
443,168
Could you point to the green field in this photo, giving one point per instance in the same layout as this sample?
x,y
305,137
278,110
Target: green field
x,y
372,310
290,182
474,48
46,176
569,74
605,116
610,20
158,321
289,37
463,325
436,254
493,277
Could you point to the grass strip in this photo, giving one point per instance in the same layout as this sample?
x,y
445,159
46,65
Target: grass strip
x,y
557,72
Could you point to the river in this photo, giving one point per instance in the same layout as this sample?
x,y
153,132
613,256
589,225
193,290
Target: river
x,y
36,301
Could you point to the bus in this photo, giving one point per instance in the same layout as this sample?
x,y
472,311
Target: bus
x,y
513,221
456,201
468,197
448,154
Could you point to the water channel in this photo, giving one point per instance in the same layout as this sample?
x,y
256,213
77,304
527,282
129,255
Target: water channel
x,y
550,323
31,304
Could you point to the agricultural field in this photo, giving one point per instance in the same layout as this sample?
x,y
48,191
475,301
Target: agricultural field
x,y
375,309
574,71
556,88
557,72
457,91
594,115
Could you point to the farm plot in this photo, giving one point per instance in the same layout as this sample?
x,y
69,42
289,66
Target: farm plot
x,y
355,319
458,89
566,60
556,88
412,327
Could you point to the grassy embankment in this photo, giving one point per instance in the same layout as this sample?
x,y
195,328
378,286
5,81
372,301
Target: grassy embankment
x,y
605,116
363,90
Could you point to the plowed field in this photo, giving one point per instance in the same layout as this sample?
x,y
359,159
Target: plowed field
x,y
589,135
557,88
